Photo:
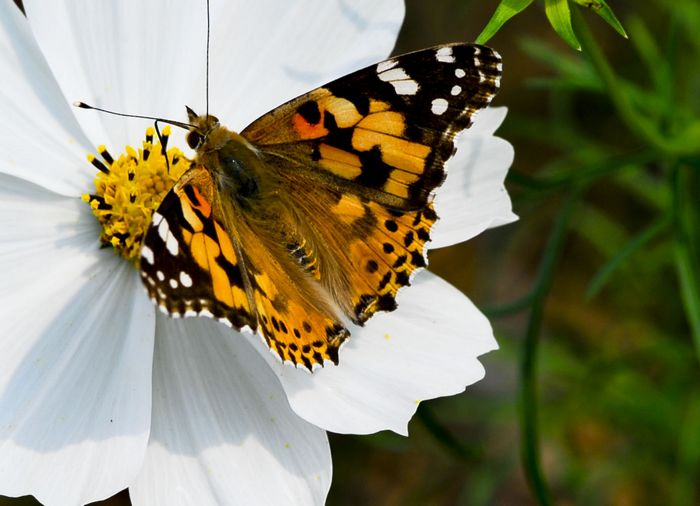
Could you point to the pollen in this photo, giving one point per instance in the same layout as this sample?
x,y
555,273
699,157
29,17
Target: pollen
x,y
129,188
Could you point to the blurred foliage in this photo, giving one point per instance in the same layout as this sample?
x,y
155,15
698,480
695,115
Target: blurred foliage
x,y
594,396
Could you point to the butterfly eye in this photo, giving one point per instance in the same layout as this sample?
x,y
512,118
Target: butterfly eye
x,y
194,139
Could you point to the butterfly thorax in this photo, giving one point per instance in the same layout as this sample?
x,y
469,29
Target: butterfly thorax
x,y
232,160
247,189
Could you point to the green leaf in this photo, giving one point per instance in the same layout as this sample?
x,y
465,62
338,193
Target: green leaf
x,y
568,66
505,10
559,16
636,244
601,8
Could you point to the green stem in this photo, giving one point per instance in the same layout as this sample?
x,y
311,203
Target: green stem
x,y
631,247
510,307
688,454
685,260
528,367
636,122
444,437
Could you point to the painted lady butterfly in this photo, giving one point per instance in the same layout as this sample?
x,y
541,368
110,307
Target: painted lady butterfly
x,y
319,210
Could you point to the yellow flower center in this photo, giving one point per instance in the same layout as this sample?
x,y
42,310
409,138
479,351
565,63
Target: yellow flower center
x,y
129,189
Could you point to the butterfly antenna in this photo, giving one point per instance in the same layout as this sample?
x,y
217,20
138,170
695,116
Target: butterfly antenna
x,y
186,126
161,138
208,30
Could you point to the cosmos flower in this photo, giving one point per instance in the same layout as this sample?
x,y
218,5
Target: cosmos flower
x,y
98,391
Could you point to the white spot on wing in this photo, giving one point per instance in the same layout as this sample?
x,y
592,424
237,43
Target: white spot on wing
x,y
456,90
147,254
163,229
165,234
444,54
173,283
439,106
400,80
396,74
406,87
160,276
185,279
460,73
386,65
171,244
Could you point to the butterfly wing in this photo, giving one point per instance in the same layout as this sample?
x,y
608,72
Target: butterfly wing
x,y
190,264
355,164
385,132
193,263
363,155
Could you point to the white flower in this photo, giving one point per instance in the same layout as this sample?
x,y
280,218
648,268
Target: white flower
x,y
97,392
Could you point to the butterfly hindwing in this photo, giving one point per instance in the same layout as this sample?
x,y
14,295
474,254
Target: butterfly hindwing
x,y
301,329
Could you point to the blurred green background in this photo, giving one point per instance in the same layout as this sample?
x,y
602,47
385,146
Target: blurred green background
x,y
594,396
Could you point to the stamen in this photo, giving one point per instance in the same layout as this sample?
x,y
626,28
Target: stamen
x,y
97,164
165,136
149,142
130,190
102,149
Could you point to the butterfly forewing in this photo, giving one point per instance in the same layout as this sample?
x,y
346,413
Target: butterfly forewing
x,y
385,132
339,211
189,262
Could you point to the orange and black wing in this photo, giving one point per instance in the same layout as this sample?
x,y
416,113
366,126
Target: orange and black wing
x,y
200,259
356,162
190,263
362,156
384,132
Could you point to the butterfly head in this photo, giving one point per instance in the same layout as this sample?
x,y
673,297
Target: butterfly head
x,y
200,128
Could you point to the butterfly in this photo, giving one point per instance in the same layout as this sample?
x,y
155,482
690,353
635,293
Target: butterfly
x,y
318,212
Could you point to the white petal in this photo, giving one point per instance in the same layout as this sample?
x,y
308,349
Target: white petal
x,y
223,432
473,197
129,56
267,52
40,140
487,121
427,348
76,334
149,57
